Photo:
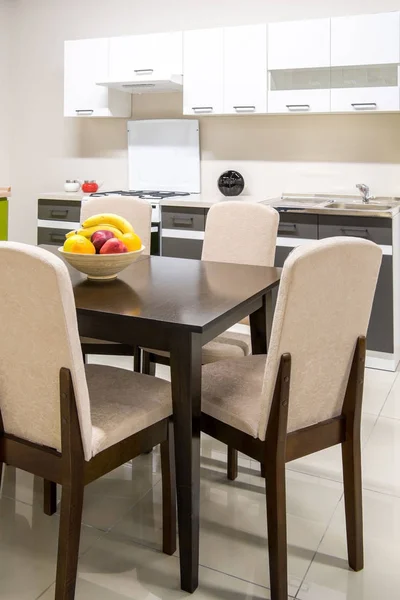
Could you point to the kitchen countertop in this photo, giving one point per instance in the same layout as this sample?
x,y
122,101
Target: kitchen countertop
x,y
77,196
202,201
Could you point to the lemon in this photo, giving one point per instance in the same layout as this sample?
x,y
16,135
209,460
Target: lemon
x,y
79,245
132,241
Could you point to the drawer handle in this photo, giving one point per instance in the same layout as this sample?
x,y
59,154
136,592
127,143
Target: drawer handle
x,y
361,232
182,221
57,237
244,108
202,109
84,111
59,214
140,71
287,228
298,107
364,105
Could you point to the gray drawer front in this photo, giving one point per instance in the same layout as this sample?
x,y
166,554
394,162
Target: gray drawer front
x,y
187,220
51,210
182,248
380,331
298,226
56,237
376,230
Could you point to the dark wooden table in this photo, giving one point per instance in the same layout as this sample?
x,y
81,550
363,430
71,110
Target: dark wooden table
x,y
178,305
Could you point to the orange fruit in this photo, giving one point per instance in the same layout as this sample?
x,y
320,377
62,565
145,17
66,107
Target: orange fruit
x,y
132,241
79,245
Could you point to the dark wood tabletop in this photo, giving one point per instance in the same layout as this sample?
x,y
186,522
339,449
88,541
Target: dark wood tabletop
x,y
178,305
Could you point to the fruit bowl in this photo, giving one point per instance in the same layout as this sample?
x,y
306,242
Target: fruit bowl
x,y
101,267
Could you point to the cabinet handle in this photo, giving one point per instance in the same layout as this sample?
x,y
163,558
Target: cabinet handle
x,y
298,107
244,108
287,228
140,71
57,237
202,109
182,221
364,105
84,111
361,232
59,214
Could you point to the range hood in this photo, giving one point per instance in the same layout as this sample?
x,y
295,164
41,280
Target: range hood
x,y
149,83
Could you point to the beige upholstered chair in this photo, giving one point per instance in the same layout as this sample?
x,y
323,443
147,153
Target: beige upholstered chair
x,y
236,232
60,420
138,212
306,395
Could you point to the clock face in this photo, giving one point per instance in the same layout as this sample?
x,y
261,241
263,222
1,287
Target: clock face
x,y
231,183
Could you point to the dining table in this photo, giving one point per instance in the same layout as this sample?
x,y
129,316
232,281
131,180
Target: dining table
x,y
178,305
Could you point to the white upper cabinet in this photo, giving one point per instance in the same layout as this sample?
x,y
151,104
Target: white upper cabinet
x,y
203,71
366,39
142,55
86,63
245,69
299,44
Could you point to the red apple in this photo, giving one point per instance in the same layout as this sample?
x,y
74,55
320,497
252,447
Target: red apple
x,y
100,237
113,246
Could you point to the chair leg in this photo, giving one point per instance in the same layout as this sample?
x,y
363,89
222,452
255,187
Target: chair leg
x,y
49,497
262,470
351,458
277,540
232,463
148,366
169,492
68,541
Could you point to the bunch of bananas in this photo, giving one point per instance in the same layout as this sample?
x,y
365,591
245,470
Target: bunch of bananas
x,y
105,222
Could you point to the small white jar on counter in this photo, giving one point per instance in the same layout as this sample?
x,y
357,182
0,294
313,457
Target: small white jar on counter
x,y
72,185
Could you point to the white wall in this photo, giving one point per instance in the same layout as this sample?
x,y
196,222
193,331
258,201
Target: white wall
x,y
4,94
275,154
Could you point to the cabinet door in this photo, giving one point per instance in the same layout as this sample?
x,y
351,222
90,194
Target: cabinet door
x,y
366,39
245,69
138,55
380,330
299,44
365,99
203,71
85,64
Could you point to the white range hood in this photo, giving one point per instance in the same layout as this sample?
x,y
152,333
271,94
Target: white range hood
x,y
147,84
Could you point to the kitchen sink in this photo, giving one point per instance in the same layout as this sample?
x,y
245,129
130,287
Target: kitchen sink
x,y
359,206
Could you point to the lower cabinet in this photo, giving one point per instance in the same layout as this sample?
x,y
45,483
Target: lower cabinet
x,y
182,248
381,327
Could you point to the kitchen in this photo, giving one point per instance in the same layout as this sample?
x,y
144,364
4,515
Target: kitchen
x,y
276,154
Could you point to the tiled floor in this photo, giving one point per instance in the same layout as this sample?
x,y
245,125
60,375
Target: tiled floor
x,y
121,531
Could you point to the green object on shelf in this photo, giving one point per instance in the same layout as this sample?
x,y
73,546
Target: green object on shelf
x,y
3,219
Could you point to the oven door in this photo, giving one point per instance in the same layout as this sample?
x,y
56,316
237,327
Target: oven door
x,y
155,245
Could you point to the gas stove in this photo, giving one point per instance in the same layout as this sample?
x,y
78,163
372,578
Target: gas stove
x,y
146,194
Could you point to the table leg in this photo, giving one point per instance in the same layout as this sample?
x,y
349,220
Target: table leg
x,y
186,399
261,326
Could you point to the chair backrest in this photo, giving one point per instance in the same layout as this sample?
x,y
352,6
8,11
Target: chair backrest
x,y
38,336
324,304
136,210
242,233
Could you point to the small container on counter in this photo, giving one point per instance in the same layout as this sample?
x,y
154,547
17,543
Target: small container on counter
x,y
90,186
72,185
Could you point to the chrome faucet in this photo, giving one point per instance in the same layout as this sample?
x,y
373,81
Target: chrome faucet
x,y
364,189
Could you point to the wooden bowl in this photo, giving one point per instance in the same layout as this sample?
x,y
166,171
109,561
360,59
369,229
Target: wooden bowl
x,y
101,266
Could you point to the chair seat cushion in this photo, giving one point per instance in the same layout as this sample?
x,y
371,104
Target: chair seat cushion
x,y
231,392
226,346
123,403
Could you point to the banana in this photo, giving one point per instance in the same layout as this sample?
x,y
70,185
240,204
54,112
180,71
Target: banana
x,y
110,219
89,231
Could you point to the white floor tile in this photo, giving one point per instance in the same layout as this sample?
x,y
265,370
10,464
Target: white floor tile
x,y
391,408
119,570
377,386
28,549
330,578
381,458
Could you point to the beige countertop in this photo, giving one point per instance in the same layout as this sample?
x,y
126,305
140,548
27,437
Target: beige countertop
x,y
203,201
77,196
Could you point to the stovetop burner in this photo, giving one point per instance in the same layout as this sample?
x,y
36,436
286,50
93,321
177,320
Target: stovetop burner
x,y
146,194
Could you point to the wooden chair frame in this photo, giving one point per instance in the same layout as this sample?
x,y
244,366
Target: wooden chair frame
x,y
281,447
69,469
